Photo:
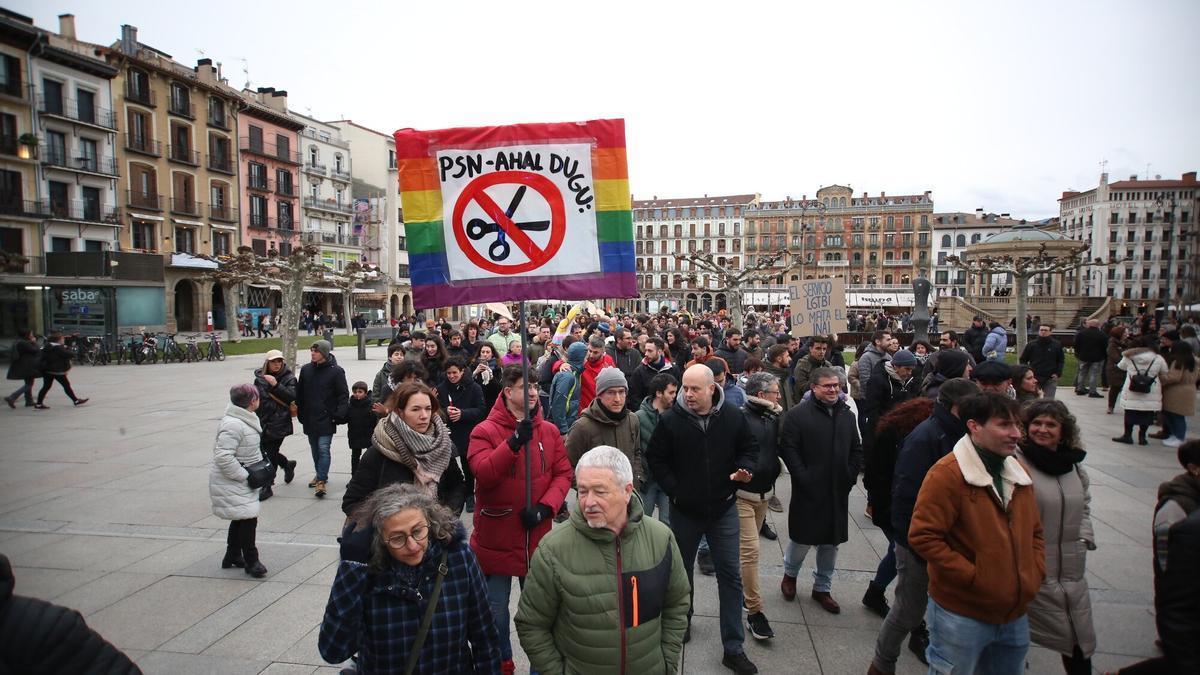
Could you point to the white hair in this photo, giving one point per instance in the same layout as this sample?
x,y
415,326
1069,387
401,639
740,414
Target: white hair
x,y
608,457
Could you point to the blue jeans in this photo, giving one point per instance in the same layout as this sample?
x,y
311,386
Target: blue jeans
x,y
794,556
499,589
958,644
320,454
723,534
887,565
654,498
1174,424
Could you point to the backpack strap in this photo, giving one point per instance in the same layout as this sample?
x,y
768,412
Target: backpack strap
x,y
411,664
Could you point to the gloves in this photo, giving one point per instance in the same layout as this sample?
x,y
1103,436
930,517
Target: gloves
x,y
533,517
521,436
356,544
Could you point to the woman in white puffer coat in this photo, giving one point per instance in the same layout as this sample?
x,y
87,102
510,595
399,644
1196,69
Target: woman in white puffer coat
x,y
237,446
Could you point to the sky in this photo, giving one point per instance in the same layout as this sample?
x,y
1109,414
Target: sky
x,y
993,105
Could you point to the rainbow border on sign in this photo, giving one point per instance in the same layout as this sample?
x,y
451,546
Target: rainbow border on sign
x,y
421,197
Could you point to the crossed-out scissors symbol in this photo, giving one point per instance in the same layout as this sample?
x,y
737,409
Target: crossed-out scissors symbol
x,y
499,250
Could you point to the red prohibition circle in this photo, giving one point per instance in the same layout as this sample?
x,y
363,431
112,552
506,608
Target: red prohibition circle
x,y
474,192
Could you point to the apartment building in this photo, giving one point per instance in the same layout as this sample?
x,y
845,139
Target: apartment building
x,y
328,208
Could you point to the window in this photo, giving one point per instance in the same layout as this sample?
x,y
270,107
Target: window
x,y
960,240
11,192
313,155
255,138
337,163
259,246
337,196
87,159
924,220
941,260
283,147
946,241
52,97
391,159
91,203
85,102
10,76
284,210
891,221
138,86
220,243
258,211
59,201
283,182
888,280
219,154
142,235
60,245
56,148
975,238
181,103
256,175
216,111
185,240
1132,217
908,221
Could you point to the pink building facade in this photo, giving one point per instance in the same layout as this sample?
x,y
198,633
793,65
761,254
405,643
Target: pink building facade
x,y
269,171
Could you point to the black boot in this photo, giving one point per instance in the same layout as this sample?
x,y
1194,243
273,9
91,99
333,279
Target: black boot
x,y
1142,437
289,471
876,600
767,532
265,494
918,642
254,567
233,558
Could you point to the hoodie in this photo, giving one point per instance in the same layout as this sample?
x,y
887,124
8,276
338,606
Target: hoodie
x,y
565,389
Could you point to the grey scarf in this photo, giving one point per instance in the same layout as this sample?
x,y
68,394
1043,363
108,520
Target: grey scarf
x,y
427,455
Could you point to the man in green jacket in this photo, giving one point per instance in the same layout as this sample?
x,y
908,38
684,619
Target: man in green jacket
x,y
616,562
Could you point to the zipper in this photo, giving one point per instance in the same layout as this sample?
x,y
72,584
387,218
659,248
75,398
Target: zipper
x,y
636,610
621,602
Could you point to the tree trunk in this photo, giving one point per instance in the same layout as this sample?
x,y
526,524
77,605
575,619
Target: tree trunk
x,y
292,293
733,300
229,292
1019,328
348,310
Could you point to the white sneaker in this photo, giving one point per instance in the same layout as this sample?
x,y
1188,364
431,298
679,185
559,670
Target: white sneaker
x,y
1172,442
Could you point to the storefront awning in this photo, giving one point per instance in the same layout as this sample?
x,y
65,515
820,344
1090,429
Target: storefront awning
x,y
189,260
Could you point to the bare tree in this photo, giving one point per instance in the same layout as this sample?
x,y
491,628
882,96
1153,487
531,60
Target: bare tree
x,y
731,281
291,274
1023,267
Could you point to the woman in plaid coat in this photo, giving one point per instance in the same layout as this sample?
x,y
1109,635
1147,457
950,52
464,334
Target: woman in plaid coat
x,y
392,555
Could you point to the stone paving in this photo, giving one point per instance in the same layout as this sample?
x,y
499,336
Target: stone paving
x,y
105,509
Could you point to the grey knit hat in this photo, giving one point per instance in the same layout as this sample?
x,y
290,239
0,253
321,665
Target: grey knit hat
x,y
608,378
322,346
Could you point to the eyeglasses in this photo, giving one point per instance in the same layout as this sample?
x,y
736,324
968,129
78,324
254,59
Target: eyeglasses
x,y
400,540
770,392
835,385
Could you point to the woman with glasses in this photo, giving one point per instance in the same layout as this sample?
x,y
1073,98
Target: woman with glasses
x,y
405,563
411,444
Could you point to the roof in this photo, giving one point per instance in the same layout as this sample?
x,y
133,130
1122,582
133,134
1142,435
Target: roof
x,y
1023,232
1153,184
360,126
720,200
969,219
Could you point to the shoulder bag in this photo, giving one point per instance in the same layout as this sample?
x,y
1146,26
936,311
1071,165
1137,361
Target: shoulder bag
x,y
262,473
411,665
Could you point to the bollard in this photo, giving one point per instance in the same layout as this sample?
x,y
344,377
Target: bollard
x,y
362,344
327,335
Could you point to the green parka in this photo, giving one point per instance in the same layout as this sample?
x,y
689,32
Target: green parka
x,y
597,603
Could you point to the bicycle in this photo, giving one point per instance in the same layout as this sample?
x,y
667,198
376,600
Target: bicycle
x,y
171,350
192,352
214,348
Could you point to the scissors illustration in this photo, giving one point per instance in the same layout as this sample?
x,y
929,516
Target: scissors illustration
x,y
499,250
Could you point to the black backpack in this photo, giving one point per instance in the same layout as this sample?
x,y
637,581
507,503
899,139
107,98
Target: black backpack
x,y
1141,383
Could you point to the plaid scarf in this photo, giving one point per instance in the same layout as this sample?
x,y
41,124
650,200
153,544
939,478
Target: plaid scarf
x,y
427,455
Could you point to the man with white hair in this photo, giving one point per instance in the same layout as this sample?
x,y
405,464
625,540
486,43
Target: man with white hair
x,y
611,560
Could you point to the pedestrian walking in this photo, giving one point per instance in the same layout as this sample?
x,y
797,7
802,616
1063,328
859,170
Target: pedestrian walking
x,y
607,422
462,400
1141,396
23,366
662,390
485,370
995,344
611,560
506,532
1179,393
360,422
411,444
1117,344
323,402
54,362
968,496
1060,617
762,411
566,389
231,487
819,444
1091,345
701,452
276,384
408,591
1045,355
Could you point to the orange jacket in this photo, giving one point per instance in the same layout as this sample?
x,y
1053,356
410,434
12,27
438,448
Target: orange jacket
x,y
985,561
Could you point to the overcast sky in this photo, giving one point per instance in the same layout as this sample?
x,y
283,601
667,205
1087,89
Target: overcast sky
x,y
999,105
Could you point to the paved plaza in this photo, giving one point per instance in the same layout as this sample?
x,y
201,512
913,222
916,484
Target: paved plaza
x,y
105,509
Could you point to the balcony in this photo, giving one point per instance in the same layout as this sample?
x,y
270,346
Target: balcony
x,y
218,121
183,155
259,184
11,86
328,205
80,210
143,145
285,189
268,150
222,212
325,138
317,169
9,145
220,163
185,207
114,264
139,94
332,238
105,166
143,200
181,107
75,112
833,263
338,174
22,208
898,263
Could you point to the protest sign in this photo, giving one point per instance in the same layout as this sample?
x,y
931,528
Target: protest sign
x,y
818,307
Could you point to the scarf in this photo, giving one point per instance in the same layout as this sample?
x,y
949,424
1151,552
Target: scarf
x,y
614,416
426,455
995,467
1054,462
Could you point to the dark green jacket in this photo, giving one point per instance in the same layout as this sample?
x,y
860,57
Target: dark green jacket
x,y
596,603
595,428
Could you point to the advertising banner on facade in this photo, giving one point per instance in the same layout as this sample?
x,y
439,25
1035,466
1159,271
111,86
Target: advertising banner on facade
x,y
517,212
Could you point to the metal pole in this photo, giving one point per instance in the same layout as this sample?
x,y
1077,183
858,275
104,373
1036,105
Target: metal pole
x,y
525,401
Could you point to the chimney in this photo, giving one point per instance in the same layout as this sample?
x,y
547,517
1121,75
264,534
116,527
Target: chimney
x,y
1005,215
205,72
1133,176
1189,177
979,212
66,26
129,40
882,194
278,101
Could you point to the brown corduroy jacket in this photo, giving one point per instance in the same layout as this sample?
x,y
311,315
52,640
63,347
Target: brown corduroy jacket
x,y
986,556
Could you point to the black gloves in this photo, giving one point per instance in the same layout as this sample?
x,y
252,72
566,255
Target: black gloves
x,y
356,544
533,517
521,436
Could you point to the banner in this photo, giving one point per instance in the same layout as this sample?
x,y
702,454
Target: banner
x,y
818,307
517,212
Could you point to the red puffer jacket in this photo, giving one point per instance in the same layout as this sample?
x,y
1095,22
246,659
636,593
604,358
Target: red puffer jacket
x,y
498,537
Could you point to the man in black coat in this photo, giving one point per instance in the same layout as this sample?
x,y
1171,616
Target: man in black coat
x,y
54,362
700,453
974,337
462,399
39,637
23,367
930,441
891,383
1045,356
762,410
731,350
324,402
656,361
1091,349
819,444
